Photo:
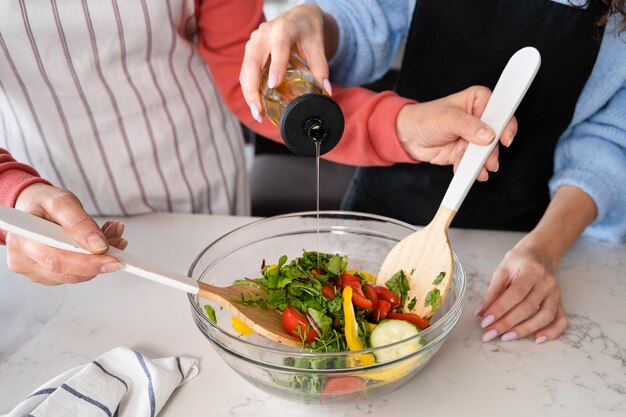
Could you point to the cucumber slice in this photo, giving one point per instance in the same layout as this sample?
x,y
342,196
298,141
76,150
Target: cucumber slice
x,y
392,331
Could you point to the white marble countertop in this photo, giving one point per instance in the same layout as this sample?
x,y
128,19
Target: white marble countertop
x,y
46,330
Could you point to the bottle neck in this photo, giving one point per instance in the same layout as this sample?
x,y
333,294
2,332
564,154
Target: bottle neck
x,y
315,130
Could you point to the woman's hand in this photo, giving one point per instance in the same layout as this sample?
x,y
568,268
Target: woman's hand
x,y
304,29
523,298
49,266
433,131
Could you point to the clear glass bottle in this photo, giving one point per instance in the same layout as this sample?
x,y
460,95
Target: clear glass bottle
x,y
303,112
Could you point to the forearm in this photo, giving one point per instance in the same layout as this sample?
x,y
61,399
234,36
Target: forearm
x,y
14,177
569,213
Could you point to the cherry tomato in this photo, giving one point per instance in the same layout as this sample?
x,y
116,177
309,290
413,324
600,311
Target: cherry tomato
x,y
388,295
381,311
410,317
370,294
358,298
315,271
341,386
346,279
328,292
294,320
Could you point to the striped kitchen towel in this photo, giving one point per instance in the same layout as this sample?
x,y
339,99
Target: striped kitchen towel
x,y
120,383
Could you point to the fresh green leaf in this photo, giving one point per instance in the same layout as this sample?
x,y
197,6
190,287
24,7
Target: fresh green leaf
x,y
210,312
335,306
412,303
332,264
277,298
439,278
253,302
302,363
399,285
337,264
433,298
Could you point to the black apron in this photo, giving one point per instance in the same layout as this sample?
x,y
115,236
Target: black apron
x,y
454,44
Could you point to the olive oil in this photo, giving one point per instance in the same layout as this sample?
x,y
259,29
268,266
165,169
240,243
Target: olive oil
x,y
298,81
317,195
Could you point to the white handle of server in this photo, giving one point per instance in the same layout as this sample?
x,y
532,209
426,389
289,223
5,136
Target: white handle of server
x,y
507,95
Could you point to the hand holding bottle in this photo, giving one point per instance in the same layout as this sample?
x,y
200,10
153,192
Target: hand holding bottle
x,y
437,131
301,29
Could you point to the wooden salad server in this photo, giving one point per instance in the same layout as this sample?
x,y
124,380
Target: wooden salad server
x,y
265,321
425,256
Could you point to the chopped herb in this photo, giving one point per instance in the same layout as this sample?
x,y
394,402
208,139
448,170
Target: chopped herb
x,y
412,271
252,302
399,285
411,305
210,312
433,299
439,278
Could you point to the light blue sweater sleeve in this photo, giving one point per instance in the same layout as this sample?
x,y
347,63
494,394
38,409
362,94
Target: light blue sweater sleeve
x,y
369,34
592,156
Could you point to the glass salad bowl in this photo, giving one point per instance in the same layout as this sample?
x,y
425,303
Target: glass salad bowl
x,y
297,373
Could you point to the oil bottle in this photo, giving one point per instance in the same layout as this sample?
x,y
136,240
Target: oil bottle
x,y
307,118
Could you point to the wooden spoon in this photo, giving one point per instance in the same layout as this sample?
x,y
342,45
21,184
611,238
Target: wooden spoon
x,y
425,255
265,321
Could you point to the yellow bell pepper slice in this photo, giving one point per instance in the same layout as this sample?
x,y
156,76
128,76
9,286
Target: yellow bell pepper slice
x,y
394,372
353,340
239,326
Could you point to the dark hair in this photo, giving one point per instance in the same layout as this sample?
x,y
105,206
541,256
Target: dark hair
x,y
610,7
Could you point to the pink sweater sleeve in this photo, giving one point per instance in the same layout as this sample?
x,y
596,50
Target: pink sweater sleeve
x,y
14,177
370,134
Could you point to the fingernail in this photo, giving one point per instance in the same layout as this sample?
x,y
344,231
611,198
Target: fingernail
x,y
328,87
112,267
487,321
254,109
271,81
96,242
512,335
490,335
484,135
478,310
510,141
541,339
497,167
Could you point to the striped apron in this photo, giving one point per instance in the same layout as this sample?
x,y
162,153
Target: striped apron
x,y
111,100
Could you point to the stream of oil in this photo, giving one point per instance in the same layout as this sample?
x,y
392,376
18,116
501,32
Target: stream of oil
x,y
318,145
